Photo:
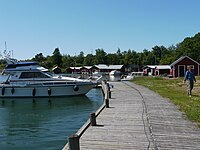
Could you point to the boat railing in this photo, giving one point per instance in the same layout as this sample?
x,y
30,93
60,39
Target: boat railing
x,y
50,83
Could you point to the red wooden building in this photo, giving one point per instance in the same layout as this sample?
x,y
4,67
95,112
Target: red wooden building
x,y
179,67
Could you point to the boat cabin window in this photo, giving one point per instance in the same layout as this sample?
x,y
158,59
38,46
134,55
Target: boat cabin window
x,y
33,75
8,73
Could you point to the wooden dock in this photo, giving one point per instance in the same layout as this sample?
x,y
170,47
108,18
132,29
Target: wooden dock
x,y
139,119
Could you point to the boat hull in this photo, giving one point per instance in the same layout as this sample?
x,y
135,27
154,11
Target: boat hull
x,y
8,91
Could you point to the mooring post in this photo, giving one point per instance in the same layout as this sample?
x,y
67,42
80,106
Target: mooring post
x,y
107,95
73,142
93,119
105,88
107,103
109,91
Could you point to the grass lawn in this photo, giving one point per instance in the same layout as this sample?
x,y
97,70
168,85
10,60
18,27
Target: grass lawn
x,y
176,91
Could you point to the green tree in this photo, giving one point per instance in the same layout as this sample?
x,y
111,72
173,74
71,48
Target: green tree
x,y
130,57
67,61
80,59
190,47
89,60
48,63
57,57
39,58
112,59
100,57
151,59
119,59
168,56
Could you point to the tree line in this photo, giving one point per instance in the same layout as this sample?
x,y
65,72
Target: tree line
x,y
158,55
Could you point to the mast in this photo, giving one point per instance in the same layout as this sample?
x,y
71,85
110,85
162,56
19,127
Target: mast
x,y
5,46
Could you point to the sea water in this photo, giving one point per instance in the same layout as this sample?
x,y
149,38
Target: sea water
x,y
44,124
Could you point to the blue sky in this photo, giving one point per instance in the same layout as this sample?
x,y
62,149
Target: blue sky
x,y
39,26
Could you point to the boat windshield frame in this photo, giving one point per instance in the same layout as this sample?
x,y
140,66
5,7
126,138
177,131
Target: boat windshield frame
x,y
33,74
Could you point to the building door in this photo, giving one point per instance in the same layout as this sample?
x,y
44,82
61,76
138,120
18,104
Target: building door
x,y
181,71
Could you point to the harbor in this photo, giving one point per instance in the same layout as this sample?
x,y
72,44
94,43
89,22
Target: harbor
x,y
99,75
45,123
136,118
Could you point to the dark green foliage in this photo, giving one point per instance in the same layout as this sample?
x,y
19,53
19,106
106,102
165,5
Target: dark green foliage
x,y
57,57
159,55
101,57
88,60
190,47
39,58
80,59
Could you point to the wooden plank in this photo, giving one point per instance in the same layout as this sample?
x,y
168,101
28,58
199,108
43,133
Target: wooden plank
x,y
140,119
121,126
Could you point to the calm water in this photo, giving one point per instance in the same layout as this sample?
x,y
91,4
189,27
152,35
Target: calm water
x,y
44,125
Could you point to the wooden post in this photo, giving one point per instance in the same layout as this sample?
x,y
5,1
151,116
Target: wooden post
x,y
105,87
107,103
109,94
93,119
73,141
107,91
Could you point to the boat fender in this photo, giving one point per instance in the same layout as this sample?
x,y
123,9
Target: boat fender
x,y
12,90
34,92
49,91
76,88
3,91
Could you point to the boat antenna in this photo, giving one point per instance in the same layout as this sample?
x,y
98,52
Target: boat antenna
x,y
12,53
5,51
5,46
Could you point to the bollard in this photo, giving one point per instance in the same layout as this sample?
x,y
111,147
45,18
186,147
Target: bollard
x,y
109,94
93,119
107,103
73,142
106,93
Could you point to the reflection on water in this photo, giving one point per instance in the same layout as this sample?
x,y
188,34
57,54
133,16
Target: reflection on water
x,y
44,123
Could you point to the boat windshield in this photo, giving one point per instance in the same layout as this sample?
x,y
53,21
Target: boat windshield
x,y
49,74
7,73
4,78
34,75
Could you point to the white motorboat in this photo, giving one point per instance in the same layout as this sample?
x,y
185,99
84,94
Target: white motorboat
x,y
98,77
132,75
115,75
28,79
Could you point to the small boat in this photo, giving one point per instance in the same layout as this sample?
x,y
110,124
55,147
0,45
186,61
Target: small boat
x,y
132,75
98,77
28,79
115,75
